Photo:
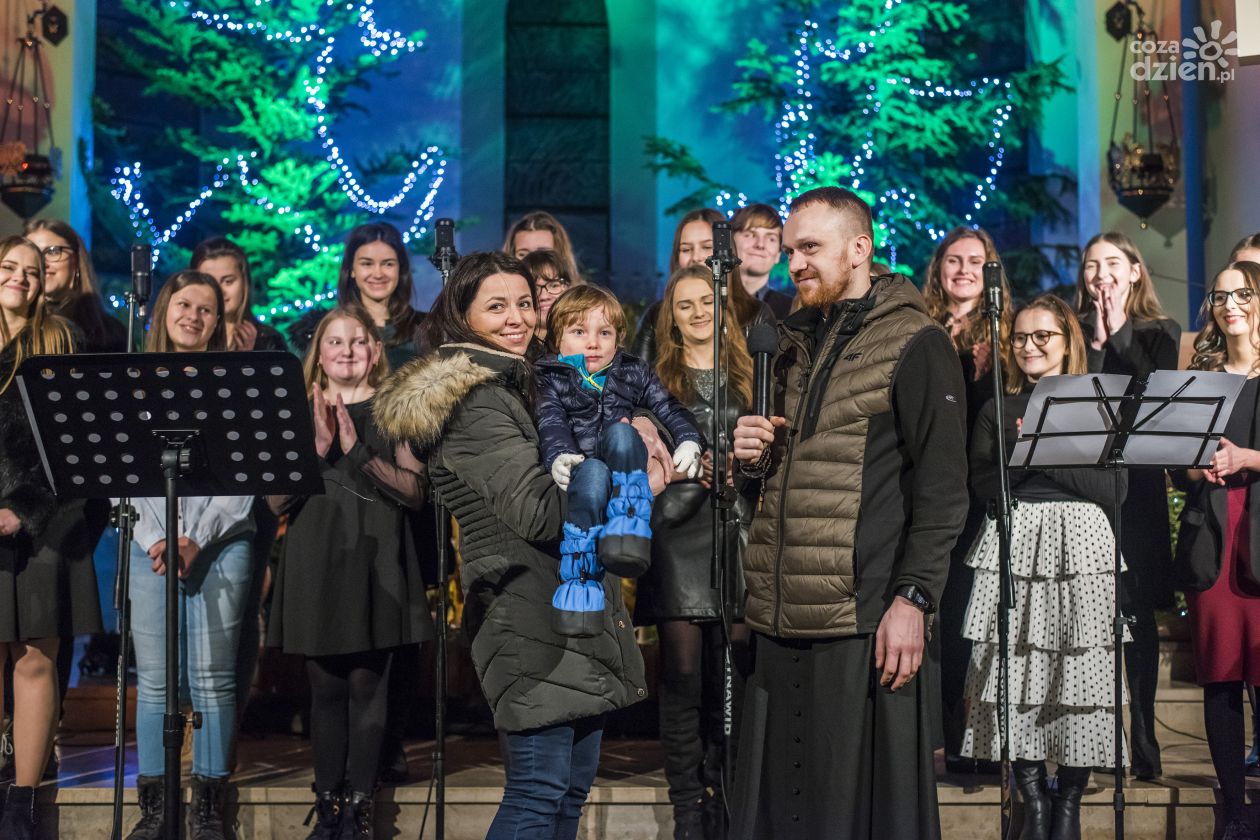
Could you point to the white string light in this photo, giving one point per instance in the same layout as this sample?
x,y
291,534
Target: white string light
x,y
795,160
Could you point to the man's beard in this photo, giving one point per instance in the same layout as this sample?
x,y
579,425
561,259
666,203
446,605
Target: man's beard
x,y
824,294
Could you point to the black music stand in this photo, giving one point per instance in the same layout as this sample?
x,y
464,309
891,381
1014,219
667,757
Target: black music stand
x,y
1110,422
171,424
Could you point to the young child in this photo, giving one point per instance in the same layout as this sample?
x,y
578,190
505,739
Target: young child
x,y
587,394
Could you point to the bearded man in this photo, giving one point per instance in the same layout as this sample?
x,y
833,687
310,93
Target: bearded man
x,y
865,473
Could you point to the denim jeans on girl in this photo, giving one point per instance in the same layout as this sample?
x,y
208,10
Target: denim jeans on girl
x,y
549,774
211,606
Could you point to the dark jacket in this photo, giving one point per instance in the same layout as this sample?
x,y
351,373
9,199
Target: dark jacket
x,y
465,408
678,584
1085,484
866,489
779,303
1138,349
571,417
1201,535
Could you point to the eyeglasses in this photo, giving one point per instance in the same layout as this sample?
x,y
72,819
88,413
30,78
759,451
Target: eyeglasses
x,y
1040,338
1242,297
555,285
57,253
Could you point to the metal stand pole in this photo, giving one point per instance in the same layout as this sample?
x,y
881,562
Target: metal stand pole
x,y
1001,513
176,460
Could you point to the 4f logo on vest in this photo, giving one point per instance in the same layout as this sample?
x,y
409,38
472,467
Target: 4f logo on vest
x,y
852,357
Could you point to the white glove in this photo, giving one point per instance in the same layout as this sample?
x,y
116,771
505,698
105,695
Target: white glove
x,y
687,458
562,468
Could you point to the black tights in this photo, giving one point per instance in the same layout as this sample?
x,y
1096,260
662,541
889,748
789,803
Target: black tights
x,y
691,703
1223,717
348,705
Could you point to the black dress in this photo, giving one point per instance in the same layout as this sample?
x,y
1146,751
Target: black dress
x,y
1138,349
349,580
47,581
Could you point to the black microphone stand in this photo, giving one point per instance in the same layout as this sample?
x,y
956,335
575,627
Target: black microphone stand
x,y
722,262
443,258
1001,513
124,519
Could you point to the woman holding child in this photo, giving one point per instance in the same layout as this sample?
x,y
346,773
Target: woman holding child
x,y
468,408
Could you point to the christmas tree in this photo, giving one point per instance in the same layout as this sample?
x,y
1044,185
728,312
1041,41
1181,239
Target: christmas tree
x,y
275,76
886,97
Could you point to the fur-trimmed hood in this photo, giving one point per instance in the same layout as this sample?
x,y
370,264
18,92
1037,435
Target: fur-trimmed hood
x,y
415,403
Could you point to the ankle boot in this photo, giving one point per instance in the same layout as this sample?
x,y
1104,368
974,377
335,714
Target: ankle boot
x,y
625,547
1067,803
209,798
327,815
151,795
680,724
1030,779
356,819
18,822
689,821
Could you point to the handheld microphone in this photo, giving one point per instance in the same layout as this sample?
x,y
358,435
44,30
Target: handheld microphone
x,y
141,271
993,286
763,341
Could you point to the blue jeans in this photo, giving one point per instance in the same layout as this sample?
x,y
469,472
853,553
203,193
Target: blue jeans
x,y
211,604
549,774
620,450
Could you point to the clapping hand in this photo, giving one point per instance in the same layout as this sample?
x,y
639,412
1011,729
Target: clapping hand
x,y
325,424
1109,315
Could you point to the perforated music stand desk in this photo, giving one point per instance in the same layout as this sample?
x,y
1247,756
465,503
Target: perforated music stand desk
x,y
1173,420
171,424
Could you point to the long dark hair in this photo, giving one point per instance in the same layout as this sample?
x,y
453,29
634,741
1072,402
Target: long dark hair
x,y
1210,350
80,301
406,320
671,365
448,320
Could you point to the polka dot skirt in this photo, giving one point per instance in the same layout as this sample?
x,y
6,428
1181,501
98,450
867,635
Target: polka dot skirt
x,y
1061,662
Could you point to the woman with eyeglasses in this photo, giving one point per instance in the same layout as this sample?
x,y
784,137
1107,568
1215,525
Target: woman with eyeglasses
x,y
1218,565
1062,559
550,279
71,289
1127,332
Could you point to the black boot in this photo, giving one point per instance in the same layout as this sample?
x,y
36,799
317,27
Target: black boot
x,y
680,703
18,822
1030,779
209,798
327,815
689,821
356,819
152,795
1067,803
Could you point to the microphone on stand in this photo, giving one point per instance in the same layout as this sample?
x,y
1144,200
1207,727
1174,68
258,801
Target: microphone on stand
x,y
763,341
444,254
993,287
141,272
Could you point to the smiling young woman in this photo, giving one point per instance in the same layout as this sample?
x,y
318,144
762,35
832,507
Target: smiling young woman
x,y
372,571
675,593
43,597
1126,331
1063,551
1217,564
71,286
215,570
